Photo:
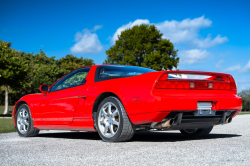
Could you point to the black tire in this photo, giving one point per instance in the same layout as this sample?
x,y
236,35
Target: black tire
x,y
196,132
31,131
126,129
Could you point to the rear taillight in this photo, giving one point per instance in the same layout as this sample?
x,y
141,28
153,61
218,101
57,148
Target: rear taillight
x,y
218,82
232,83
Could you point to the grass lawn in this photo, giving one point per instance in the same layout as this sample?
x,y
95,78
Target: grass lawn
x,y
244,113
6,125
2,109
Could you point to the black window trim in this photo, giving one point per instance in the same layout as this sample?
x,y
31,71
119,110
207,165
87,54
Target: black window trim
x,y
67,76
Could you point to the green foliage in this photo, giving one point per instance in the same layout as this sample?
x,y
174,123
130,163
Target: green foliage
x,y
71,62
143,46
25,72
12,66
45,70
245,95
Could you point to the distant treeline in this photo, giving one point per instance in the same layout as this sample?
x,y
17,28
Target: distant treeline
x,y
22,73
245,95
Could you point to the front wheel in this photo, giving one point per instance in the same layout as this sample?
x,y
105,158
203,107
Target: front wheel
x,y
24,122
193,133
112,122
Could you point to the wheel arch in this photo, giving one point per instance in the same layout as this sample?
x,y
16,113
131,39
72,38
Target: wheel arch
x,y
19,104
99,99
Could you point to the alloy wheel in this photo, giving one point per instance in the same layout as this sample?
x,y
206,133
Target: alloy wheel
x,y
23,121
108,120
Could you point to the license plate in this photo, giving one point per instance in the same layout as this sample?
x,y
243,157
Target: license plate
x,y
204,112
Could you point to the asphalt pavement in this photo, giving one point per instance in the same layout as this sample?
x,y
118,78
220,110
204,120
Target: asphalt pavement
x,y
226,145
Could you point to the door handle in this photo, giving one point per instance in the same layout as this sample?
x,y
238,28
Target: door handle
x,y
84,97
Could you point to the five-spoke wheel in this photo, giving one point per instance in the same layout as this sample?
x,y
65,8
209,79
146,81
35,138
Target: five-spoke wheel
x,y
112,122
23,120
108,120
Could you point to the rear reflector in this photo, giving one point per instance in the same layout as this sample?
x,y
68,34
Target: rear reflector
x,y
213,82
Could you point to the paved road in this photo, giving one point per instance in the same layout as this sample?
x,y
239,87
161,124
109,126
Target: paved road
x,y
226,145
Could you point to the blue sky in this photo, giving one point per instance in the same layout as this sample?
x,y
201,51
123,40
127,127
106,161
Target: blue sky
x,y
210,35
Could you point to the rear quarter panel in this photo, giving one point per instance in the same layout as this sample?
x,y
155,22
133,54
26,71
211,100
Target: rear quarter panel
x,y
128,88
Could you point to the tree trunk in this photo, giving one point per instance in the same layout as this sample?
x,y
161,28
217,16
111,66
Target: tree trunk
x,y
6,110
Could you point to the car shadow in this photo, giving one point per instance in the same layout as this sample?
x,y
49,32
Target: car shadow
x,y
72,135
173,137
138,137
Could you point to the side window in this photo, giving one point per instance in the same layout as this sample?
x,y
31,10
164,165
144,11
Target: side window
x,y
75,78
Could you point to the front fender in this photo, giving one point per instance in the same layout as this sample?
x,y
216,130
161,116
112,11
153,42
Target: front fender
x,y
29,100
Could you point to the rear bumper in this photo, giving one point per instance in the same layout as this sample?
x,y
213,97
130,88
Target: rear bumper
x,y
160,105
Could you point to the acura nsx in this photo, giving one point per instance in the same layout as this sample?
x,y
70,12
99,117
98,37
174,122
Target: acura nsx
x,y
116,101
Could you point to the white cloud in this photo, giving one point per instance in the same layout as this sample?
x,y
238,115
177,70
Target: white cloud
x,y
97,27
208,42
182,31
232,68
176,31
87,42
129,25
247,67
218,65
193,56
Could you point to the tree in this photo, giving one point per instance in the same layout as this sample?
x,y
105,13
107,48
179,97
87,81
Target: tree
x,y
71,62
23,73
46,70
144,46
12,69
245,95
42,70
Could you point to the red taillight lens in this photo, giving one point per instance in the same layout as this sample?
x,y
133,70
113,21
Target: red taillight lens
x,y
216,82
172,85
221,85
232,83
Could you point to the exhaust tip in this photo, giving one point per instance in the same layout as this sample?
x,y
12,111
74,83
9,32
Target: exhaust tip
x,y
229,120
171,122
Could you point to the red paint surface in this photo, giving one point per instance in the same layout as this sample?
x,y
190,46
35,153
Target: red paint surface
x,y
71,109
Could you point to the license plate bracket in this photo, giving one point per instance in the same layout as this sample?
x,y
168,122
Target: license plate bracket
x,y
204,112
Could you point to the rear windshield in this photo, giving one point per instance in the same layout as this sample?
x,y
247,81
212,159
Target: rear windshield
x,y
119,71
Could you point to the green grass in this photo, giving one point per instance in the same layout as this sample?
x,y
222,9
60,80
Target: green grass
x,y
2,109
244,113
6,125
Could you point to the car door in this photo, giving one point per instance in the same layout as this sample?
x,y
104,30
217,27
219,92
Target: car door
x,y
59,105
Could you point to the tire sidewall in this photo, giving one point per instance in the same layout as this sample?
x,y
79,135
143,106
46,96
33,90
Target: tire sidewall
x,y
118,133
27,108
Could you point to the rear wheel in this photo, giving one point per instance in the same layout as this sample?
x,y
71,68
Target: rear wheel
x,y
112,122
196,132
24,122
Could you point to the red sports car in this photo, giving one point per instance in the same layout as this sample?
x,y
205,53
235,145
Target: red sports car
x,y
116,101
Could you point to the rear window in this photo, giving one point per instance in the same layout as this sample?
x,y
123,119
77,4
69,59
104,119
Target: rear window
x,y
188,76
119,71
